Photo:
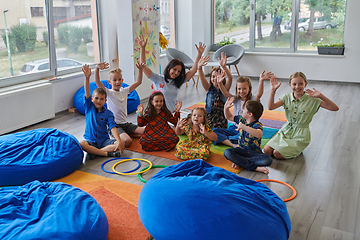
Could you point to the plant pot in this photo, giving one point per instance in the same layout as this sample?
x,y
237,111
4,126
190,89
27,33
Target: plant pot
x,y
331,50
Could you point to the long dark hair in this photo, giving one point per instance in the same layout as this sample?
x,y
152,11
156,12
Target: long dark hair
x,y
150,109
179,80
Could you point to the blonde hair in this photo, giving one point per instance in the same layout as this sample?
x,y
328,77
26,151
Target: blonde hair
x,y
298,74
243,80
115,70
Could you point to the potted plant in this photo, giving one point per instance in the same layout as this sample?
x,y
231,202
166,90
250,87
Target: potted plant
x,y
330,48
225,41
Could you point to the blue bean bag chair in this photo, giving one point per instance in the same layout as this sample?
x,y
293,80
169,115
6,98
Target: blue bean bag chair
x,y
50,211
194,200
43,154
133,99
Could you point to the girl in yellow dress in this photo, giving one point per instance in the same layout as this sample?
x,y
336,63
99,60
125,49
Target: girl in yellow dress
x,y
199,136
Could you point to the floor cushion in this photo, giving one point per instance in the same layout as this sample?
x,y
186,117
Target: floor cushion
x,y
42,154
133,99
45,210
194,200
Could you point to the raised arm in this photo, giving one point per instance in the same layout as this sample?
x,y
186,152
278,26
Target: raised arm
x,y
255,132
274,86
142,43
141,67
87,72
209,134
326,103
202,62
200,49
100,66
227,106
220,76
262,78
179,126
229,78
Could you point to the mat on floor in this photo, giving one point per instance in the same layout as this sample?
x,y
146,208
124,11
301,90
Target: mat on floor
x,y
118,200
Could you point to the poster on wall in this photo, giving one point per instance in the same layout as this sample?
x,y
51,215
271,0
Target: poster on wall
x,y
145,24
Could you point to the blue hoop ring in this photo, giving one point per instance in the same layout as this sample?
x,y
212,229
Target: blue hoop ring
x,y
136,168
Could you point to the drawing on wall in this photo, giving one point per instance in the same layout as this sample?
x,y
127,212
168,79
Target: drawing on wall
x,y
146,13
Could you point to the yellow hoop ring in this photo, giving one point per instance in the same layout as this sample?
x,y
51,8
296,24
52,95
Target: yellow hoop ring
x,y
288,185
132,173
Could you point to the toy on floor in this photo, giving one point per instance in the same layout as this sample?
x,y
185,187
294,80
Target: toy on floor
x,y
42,154
194,200
133,99
50,211
129,171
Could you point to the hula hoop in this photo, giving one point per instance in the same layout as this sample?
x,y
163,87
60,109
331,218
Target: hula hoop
x,y
153,166
136,168
288,185
132,173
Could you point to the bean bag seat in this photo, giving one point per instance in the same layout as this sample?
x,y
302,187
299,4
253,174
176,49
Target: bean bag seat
x,y
42,154
45,210
133,99
194,200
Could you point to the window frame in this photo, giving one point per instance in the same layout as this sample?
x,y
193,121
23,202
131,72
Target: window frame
x,y
53,72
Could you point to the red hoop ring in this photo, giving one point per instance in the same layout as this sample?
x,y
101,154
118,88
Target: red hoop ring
x,y
288,185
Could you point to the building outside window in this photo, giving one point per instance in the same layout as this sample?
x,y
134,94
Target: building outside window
x,y
39,48
279,25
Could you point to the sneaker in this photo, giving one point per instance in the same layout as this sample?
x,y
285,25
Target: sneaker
x,y
89,156
114,154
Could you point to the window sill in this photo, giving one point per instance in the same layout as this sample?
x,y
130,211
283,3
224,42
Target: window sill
x,y
293,54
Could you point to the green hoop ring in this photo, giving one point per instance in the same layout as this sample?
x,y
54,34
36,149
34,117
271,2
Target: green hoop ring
x,y
153,166
132,173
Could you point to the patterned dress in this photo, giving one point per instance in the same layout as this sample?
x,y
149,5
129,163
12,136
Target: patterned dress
x,y
158,135
195,146
216,115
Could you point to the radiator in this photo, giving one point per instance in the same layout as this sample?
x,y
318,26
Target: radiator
x,y
25,105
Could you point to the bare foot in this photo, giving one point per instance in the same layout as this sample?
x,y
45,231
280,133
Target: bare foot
x,y
263,170
237,167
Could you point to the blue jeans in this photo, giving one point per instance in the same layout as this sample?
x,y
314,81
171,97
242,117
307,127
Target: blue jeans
x,y
247,158
228,133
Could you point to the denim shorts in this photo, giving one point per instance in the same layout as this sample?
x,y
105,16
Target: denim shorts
x,y
104,144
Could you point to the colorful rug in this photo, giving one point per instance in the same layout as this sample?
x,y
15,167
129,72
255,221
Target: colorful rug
x,y
118,200
272,121
216,159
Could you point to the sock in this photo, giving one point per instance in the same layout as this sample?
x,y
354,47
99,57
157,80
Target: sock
x,y
114,154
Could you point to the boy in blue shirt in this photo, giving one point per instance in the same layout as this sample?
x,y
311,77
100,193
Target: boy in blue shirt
x,y
248,154
98,120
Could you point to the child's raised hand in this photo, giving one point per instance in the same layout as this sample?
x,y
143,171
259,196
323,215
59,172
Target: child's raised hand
x,y
264,76
203,61
202,128
178,106
229,102
220,76
140,66
140,109
141,41
86,70
313,93
223,60
102,65
181,123
274,84
200,49
240,126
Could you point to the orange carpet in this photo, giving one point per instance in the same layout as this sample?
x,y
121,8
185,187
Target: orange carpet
x,y
118,200
215,159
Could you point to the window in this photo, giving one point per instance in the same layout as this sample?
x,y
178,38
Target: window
x,y
166,25
268,25
32,47
36,11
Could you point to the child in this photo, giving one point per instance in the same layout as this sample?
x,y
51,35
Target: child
x,y
248,154
199,136
215,98
98,121
174,74
300,107
158,135
117,100
243,93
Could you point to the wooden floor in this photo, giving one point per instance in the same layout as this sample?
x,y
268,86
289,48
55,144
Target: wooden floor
x,y
326,176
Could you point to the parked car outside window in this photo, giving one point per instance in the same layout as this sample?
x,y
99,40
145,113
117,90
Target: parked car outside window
x,y
319,23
